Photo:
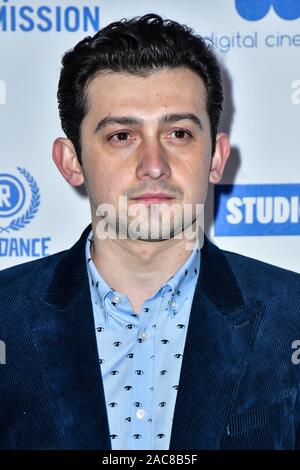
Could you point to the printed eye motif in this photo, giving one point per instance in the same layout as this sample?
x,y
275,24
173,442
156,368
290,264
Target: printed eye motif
x,y
137,436
177,356
129,326
114,372
137,404
130,355
117,343
160,436
163,372
128,387
113,436
139,372
162,404
99,329
180,326
128,419
112,404
165,341
175,387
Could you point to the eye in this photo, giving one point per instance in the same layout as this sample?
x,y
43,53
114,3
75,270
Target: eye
x,y
119,137
181,134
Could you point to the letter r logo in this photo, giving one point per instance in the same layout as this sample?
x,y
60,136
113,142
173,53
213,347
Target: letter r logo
x,y
4,195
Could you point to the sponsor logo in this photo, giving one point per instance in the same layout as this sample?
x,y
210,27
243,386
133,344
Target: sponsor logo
x,y
19,204
12,199
45,18
257,9
257,210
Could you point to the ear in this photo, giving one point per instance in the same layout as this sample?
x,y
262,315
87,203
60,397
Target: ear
x,y
219,158
66,160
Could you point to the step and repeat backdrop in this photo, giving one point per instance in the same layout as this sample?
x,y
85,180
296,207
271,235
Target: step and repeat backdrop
x,y
254,211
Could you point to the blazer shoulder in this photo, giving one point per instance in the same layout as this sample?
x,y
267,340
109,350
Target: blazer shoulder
x,y
256,274
27,274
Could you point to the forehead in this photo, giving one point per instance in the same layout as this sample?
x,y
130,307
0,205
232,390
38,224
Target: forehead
x,y
179,89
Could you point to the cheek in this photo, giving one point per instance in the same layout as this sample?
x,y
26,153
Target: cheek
x,y
194,177
104,183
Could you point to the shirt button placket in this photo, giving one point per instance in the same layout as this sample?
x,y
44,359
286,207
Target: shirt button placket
x,y
143,381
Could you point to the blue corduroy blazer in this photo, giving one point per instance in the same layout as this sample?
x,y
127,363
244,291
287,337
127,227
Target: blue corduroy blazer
x,y
238,389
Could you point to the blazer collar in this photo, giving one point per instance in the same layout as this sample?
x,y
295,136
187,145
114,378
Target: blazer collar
x,y
216,278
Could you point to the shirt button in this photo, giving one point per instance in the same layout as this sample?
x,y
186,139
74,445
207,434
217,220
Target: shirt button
x,y
173,303
116,299
140,414
143,335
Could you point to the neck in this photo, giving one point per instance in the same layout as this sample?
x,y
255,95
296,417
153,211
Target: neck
x,y
139,268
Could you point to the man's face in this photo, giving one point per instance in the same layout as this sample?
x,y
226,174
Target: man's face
x,y
146,135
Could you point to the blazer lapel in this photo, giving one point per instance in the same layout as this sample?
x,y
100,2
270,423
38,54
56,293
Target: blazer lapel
x,y
219,338
63,327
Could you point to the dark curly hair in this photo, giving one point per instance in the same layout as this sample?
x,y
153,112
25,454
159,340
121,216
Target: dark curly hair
x,y
139,46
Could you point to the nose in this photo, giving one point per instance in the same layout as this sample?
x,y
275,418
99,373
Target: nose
x,y
153,161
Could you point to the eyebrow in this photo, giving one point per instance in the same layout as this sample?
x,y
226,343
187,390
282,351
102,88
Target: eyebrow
x,y
130,120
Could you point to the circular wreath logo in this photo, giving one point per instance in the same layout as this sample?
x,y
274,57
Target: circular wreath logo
x,y
13,197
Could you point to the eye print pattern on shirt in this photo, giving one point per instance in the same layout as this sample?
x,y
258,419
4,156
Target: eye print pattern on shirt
x,y
140,372
123,354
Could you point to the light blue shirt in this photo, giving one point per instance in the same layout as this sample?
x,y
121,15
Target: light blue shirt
x,y
140,356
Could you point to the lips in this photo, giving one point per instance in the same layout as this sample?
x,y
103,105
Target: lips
x,y
152,198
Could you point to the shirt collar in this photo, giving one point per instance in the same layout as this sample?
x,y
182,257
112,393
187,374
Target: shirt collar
x,y
184,280
177,287
99,287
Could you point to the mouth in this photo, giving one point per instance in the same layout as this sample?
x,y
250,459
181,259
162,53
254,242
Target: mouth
x,y
157,198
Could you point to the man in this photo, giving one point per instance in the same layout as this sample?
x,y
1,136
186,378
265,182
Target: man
x,y
141,341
